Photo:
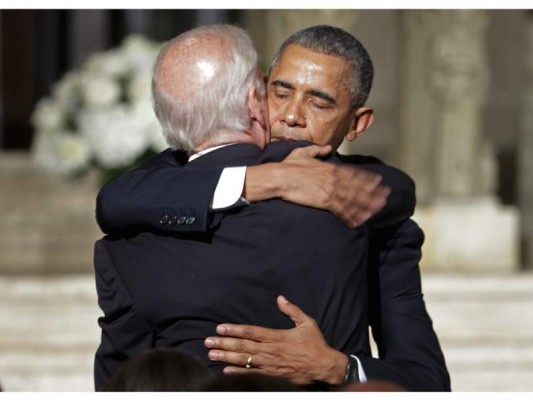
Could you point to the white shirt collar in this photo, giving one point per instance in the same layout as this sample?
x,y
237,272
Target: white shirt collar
x,y
208,150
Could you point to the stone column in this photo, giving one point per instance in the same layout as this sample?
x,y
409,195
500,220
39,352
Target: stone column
x,y
459,81
1,88
466,227
525,150
417,150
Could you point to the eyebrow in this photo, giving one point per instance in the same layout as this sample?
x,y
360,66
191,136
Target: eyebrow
x,y
283,84
312,92
322,95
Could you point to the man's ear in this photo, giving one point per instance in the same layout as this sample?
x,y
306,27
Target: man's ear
x,y
362,120
257,106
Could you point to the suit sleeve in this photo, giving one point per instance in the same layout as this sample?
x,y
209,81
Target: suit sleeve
x,y
124,331
158,196
402,200
409,351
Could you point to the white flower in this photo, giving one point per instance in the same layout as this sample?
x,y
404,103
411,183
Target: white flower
x,y
139,87
99,91
48,115
140,53
67,91
116,136
111,64
106,106
74,153
62,153
44,151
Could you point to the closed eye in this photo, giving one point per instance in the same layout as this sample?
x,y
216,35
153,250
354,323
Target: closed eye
x,y
281,95
321,106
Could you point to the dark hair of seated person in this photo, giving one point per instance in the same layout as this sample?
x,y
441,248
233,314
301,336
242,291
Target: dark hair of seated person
x,y
373,386
160,370
250,383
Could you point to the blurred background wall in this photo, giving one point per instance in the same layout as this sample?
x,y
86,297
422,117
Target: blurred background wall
x,y
453,96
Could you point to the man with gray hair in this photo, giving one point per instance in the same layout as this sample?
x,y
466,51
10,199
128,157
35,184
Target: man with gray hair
x,y
198,96
170,290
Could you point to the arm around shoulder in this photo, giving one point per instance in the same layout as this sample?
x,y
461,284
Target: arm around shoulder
x,y
402,199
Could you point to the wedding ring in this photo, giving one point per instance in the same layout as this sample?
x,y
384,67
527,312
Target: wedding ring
x,y
249,361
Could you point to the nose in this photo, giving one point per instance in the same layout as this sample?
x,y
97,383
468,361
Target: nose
x,y
294,115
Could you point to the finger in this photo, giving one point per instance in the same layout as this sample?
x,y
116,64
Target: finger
x,y
367,181
311,151
372,182
292,311
384,191
229,357
238,359
318,151
376,200
233,344
250,332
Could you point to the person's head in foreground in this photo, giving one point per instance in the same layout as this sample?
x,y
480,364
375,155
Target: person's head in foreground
x,y
250,383
160,370
373,386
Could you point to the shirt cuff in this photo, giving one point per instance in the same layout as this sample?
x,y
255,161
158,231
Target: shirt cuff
x,y
229,188
360,370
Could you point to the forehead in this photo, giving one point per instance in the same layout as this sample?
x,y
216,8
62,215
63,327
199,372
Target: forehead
x,y
300,66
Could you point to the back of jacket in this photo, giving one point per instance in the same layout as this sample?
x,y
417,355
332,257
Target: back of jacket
x,y
181,286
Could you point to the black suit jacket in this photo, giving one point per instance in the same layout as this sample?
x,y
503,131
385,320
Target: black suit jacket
x,y
409,351
170,290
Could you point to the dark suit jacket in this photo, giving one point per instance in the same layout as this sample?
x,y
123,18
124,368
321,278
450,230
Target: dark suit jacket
x,y
166,290
409,350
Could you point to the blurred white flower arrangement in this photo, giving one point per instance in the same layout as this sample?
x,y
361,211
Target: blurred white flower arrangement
x,y
100,115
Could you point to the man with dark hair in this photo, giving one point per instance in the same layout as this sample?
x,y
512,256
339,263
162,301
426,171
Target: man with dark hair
x,y
317,86
333,41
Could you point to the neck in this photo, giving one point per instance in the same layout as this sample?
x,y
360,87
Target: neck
x,y
228,138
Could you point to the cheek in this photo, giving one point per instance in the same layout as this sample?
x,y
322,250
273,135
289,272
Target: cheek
x,y
273,112
320,131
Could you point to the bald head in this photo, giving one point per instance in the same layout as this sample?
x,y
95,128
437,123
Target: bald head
x,y
200,85
191,63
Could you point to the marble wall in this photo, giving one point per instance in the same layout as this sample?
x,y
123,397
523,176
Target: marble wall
x,y
47,224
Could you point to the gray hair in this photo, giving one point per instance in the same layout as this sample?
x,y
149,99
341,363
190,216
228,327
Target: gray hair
x,y
201,115
336,42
